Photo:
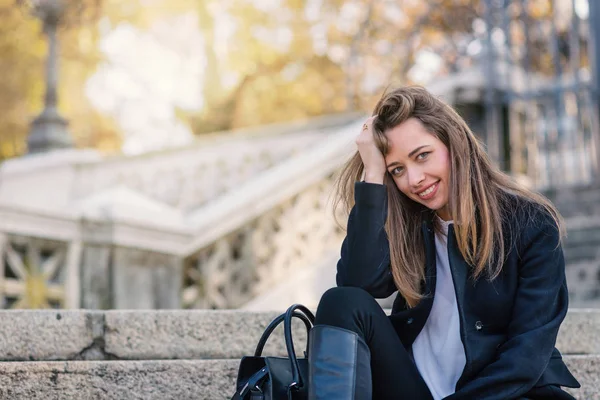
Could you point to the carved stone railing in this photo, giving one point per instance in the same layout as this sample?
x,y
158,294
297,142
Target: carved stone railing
x,y
262,253
122,250
261,232
37,273
187,178
183,178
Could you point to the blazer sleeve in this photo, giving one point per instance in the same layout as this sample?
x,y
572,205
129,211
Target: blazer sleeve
x,y
540,306
365,254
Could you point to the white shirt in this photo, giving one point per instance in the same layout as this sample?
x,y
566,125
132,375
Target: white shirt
x,y
438,349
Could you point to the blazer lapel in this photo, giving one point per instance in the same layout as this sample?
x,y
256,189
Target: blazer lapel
x,y
458,267
430,260
460,270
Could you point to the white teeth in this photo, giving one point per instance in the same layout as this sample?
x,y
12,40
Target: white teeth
x,y
428,191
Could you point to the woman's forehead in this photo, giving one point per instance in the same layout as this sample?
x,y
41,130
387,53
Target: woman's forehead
x,y
409,135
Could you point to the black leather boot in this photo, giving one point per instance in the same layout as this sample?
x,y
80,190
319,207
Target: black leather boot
x,y
339,365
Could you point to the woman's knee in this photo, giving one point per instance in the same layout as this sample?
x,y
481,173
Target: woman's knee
x,y
341,303
344,295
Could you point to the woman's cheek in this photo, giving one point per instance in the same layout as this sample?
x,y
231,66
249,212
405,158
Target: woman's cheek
x,y
402,187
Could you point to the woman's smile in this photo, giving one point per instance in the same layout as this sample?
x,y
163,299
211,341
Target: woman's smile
x,y
429,192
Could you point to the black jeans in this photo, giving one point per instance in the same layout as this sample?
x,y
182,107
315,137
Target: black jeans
x,y
394,373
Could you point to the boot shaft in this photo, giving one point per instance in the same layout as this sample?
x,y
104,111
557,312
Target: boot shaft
x,y
339,365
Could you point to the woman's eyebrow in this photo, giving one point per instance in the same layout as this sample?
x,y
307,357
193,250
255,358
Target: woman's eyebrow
x,y
412,153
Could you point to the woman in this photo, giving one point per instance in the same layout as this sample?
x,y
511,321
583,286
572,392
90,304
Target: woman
x,y
476,260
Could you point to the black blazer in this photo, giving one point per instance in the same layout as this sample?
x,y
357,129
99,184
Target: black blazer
x,y
508,326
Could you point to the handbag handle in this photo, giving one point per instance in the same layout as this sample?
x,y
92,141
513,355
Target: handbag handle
x,y
308,322
289,344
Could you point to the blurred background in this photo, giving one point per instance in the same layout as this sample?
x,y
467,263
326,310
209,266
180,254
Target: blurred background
x,y
181,153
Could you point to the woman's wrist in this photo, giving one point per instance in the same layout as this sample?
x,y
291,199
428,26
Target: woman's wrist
x,y
374,177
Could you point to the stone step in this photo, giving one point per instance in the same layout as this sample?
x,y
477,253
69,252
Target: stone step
x,y
171,379
581,252
46,335
577,201
583,237
582,243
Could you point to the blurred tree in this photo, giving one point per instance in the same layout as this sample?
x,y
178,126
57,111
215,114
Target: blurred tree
x,y
298,59
283,60
279,74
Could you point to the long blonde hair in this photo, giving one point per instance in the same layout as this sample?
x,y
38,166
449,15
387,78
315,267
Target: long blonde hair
x,y
477,192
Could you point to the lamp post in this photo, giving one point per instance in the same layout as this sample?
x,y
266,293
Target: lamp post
x,y
49,129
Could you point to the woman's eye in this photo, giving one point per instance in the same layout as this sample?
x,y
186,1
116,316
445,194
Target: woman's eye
x,y
396,171
423,155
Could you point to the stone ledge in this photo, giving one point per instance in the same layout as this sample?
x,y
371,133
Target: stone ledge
x,y
142,335
171,379
579,332
587,371
118,380
183,334
48,335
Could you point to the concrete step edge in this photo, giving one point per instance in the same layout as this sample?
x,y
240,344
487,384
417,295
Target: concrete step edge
x,y
179,334
172,379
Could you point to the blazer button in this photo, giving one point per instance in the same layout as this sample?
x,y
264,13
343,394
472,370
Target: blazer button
x,y
409,321
478,325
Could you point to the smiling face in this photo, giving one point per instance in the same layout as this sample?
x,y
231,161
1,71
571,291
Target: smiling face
x,y
419,163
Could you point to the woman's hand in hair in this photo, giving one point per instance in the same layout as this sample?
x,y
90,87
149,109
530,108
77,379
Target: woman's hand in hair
x,y
370,155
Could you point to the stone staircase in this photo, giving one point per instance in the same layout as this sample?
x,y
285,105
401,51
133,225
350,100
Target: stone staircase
x,y
580,206
180,354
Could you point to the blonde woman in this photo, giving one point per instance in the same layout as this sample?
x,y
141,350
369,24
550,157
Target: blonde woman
x,y
476,260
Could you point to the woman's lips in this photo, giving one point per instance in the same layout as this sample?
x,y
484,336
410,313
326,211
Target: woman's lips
x,y
429,192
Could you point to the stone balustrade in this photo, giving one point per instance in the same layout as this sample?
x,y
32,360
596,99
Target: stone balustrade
x,y
182,178
122,249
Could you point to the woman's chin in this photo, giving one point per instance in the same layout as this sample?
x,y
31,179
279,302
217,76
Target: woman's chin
x,y
439,208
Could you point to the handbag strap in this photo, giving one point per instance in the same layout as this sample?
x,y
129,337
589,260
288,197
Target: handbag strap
x,y
289,343
308,322
254,382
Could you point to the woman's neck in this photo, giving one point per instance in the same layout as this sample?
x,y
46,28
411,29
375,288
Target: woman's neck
x,y
444,214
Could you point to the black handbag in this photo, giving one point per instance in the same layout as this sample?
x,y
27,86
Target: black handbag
x,y
276,378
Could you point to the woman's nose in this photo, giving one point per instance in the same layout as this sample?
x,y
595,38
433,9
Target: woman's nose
x,y
415,177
